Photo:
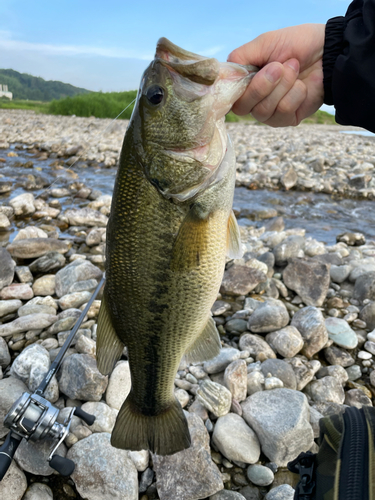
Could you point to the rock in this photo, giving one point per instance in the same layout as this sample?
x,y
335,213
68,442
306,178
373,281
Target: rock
x,y
14,484
30,232
189,473
78,270
29,309
288,248
260,475
240,280
341,333
282,492
309,321
105,416
326,390
221,361
32,456
182,396
280,369
257,346
268,317
20,291
38,491
335,371
236,440
236,326
119,385
255,382
49,262
354,372
4,222
103,472
235,379
309,278
357,398
36,247
10,389
288,341
7,266
367,315
364,287
83,286
4,354
289,178
215,397
227,495
85,217
23,204
74,300
251,493
280,419
339,273
337,356
79,378
352,239
25,323
84,345
9,306
140,459
31,366
45,285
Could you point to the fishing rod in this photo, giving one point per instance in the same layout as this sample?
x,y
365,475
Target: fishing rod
x,y
32,417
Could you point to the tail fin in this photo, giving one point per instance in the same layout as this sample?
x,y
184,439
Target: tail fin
x,y
163,434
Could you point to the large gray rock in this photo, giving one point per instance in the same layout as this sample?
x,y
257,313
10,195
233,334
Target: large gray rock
x,y
10,390
337,356
309,279
215,397
14,483
85,217
32,456
235,379
280,418
364,287
188,474
79,378
326,390
103,472
309,321
282,492
240,280
49,262
268,317
304,370
227,495
36,247
260,475
7,266
4,354
288,341
340,332
26,323
280,369
236,440
78,270
257,346
288,248
119,385
222,360
368,315
23,204
9,306
105,417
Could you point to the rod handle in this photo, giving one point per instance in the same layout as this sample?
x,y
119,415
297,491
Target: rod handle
x,y
7,451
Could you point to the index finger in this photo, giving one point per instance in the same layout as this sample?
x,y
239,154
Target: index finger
x,y
261,86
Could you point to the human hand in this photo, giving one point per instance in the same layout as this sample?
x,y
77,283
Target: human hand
x,y
289,86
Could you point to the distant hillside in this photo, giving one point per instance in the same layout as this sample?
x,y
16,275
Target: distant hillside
x,y
34,88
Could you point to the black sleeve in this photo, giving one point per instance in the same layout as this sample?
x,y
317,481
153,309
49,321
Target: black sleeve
x,y
349,65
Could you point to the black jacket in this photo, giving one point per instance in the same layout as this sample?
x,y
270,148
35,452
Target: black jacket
x,y
349,65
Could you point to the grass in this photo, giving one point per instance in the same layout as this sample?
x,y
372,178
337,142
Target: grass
x,y
110,104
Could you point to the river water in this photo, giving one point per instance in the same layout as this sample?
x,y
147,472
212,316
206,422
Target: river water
x,y
321,215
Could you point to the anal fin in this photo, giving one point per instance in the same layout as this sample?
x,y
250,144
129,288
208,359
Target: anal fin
x,y
206,346
108,346
234,247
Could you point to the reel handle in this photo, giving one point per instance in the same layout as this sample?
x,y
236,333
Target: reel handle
x,y
7,451
63,466
89,419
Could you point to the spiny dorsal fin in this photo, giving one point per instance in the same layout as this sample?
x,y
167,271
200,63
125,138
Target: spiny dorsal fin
x,y
108,346
206,346
234,247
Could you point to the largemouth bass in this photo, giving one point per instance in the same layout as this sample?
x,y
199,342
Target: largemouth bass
x,y
170,227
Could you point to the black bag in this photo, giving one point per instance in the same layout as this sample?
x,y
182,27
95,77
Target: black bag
x,y
344,467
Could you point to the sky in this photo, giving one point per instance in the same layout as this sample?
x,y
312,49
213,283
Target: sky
x,y
107,45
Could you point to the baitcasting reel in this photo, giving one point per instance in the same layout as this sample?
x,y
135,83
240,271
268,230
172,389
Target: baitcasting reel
x,y
33,417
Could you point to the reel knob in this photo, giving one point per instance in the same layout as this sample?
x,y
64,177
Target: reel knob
x,y
63,466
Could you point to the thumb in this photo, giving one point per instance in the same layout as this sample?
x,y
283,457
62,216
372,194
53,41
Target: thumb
x,y
250,53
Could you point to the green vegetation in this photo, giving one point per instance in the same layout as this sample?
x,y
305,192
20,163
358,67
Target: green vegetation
x,y
98,104
38,106
24,86
321,117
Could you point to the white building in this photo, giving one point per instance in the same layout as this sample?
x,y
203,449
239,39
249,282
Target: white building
x,y
5,93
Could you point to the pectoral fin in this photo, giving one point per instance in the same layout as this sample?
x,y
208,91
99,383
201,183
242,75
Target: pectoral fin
x,y
108,346
206,346
234,247
191,243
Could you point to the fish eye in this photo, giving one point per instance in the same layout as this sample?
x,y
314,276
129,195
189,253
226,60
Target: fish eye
x,y
155,94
